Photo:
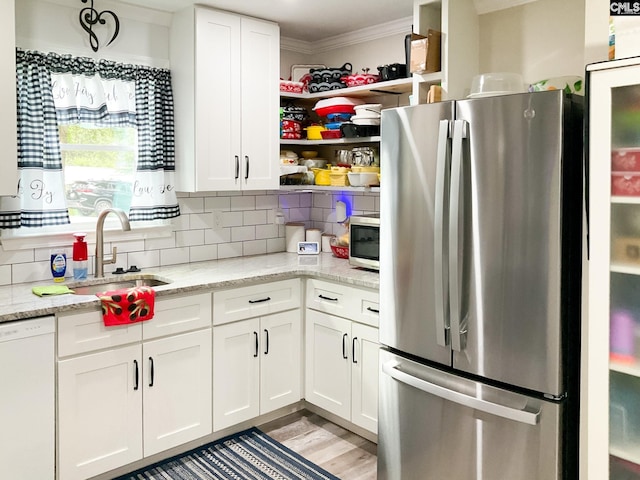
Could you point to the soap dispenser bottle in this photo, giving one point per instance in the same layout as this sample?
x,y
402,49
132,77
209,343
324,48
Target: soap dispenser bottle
x,y
80,257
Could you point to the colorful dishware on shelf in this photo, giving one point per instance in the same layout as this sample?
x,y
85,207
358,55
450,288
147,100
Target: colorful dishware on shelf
x,y
331,105
360,79
314,132
330,134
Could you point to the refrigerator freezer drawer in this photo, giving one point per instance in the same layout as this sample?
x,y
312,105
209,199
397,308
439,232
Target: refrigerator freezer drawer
x,y
434,425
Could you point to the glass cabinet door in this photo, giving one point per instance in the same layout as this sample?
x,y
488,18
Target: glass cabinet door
x,y
610,411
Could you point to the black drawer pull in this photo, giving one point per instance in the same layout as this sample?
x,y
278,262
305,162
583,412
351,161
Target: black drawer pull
x,y
344,348
374,310
353,350
266,348
327,298
261,300
135,362
256,335
152,371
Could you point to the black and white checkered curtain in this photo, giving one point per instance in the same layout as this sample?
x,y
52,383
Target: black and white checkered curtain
x,y
40,196
40,111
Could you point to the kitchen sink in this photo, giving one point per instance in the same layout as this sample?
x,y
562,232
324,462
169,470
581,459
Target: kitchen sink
x,y
91,287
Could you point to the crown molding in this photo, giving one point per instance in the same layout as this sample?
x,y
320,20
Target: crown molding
x,y
122,10
403,25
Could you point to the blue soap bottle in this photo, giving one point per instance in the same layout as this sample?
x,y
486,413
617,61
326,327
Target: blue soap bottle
x,y
58,266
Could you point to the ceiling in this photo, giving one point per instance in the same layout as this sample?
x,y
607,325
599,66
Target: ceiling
x,y
306,20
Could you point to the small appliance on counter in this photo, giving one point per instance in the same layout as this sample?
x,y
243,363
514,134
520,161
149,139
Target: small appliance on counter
x,y
364,241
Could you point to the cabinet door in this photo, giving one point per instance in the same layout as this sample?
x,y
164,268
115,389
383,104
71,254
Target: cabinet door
x,y
364,376
8,144
260,104
236,373
217,100
280,371
99,412
328,366
177,390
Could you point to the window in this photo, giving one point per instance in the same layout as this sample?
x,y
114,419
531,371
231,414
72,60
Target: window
x,y
99,167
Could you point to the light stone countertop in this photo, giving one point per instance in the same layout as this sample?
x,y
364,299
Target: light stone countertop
x,y
18,302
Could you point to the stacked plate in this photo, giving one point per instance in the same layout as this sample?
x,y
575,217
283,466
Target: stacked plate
x,y
367,114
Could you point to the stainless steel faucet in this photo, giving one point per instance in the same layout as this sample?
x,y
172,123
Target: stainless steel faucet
x,y
100,258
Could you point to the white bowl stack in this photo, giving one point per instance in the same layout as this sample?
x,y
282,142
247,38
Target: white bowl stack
x,y
367,114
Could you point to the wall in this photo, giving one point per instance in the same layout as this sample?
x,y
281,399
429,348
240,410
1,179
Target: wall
x,y
542,39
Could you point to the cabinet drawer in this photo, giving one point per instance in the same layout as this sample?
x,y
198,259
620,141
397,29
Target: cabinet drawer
x,y
84,331
255,301
178,314
345,301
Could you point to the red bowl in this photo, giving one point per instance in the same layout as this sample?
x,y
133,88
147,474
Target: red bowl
x,y
324,111
340,252
330,134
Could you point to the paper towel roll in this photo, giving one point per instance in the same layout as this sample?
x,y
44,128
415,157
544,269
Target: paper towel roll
x,y
293,233
314,235
326,242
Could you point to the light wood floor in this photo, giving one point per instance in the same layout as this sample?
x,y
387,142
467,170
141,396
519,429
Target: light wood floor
x,y
340,452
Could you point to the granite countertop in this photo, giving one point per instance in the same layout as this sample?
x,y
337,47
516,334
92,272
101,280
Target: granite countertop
x,y
18,302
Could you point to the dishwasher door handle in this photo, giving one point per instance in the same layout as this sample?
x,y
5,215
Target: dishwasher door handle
x,y
522,416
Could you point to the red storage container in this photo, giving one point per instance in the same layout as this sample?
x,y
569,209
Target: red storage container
x,y
625,160
625,184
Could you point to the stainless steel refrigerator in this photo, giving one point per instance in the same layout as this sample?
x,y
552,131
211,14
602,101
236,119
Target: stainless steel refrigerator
x,y
480,281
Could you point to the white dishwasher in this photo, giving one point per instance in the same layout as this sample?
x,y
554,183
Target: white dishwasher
x,y
27,402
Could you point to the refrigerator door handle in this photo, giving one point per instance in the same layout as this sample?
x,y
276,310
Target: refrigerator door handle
x,y
522,416
459,133
439,258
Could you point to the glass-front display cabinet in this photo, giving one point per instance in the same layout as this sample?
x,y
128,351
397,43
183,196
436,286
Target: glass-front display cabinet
x,y
610,401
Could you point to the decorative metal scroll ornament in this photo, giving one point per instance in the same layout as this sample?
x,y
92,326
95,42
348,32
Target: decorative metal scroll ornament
x,y
89,17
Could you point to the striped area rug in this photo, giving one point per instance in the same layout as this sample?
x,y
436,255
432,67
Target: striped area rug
x,y
248,455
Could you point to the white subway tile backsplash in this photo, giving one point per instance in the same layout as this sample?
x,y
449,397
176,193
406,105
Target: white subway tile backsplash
x,y
5,274
266,231
248,228
243,203
201,221
160,243
202,253
228,250
242,234
254,217
217,203
146,259
213,236
276,245
363,203
189,238
191,205
254,247
174,256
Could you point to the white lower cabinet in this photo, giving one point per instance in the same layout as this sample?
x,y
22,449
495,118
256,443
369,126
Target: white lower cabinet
x,y
341,355
120,404
256,361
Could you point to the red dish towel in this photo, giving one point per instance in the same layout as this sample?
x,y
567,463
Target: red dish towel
x,y
128,305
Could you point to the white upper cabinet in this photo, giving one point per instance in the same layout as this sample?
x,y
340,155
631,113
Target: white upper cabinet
x,y
8,138
225,71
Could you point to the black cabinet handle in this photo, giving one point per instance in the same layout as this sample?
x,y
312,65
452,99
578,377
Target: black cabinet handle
x,y
327,298
260,300
266,348
135,362
374,310
344,348
353,350
237,167
256,336
152,372
246,162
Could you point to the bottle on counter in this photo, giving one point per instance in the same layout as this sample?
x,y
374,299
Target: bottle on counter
x,y
58,266
80,257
